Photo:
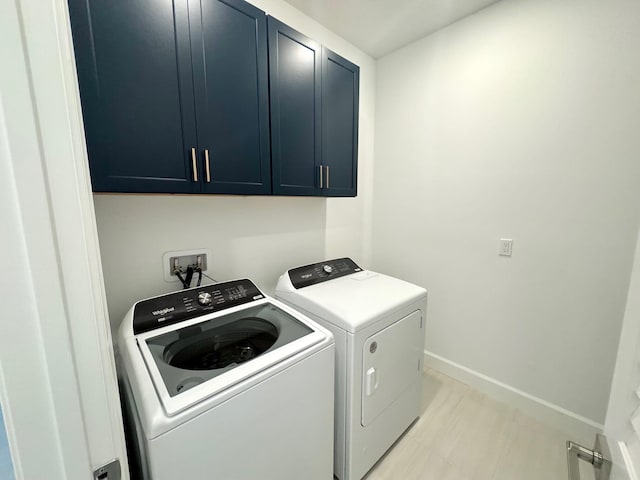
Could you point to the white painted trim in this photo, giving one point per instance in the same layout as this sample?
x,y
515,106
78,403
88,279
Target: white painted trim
x,y
57,102
41,399
60,340
628,461
622,467
582,428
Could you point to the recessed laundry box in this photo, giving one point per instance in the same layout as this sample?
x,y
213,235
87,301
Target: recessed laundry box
x,y
221,381
378,323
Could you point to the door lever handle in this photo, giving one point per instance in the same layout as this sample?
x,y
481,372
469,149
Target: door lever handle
x,y
599,459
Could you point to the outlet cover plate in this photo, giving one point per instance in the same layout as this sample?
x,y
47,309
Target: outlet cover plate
x,y
167,266
505,247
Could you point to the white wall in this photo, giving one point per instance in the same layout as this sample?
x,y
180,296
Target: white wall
x,y
255,237
521,122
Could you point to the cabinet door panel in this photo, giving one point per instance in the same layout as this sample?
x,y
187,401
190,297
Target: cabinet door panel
x,y
340,90
229,44
136,90
294,69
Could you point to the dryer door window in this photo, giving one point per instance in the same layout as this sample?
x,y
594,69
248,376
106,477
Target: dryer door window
x,y
391,361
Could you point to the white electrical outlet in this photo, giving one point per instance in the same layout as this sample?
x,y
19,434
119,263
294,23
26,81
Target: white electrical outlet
x,y
182,259
505,247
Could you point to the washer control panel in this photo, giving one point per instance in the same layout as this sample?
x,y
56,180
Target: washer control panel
x,y
187,304
321,272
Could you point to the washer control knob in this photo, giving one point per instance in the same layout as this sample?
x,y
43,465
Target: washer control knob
x,y
204,298
327,268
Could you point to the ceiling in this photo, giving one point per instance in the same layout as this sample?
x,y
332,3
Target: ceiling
x,y
379,27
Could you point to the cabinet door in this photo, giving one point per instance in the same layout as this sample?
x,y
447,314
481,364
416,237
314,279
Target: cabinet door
x,y
229,45
133,62
340,94
294,74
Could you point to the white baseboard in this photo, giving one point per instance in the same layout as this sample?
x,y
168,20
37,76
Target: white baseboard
x,y
581,429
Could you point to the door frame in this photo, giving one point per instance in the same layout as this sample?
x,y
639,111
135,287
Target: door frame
x,y
56,357
624,441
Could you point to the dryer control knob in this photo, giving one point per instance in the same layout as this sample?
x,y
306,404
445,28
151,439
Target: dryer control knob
x,y
204,298
327,268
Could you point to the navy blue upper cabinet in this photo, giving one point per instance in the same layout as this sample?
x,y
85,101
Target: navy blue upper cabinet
x,y
340,96
230,71
174,94
314,116
295,98
211,96
136,92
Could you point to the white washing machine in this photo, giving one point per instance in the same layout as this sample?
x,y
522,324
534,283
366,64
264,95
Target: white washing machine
x,y
223,382
378,323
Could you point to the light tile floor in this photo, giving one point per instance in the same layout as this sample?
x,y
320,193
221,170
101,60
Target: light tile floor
x,y
464,435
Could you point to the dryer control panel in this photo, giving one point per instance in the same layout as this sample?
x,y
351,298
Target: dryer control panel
x,y
187,304
321,272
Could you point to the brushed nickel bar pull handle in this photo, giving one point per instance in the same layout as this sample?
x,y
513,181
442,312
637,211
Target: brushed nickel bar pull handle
x,y
207,165
328,176
194,164
320,167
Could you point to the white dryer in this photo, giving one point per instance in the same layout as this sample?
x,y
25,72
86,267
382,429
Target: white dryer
x,y
378,323
223,382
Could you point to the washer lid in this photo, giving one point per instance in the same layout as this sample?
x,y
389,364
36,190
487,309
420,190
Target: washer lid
x,y
354,301
196,359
